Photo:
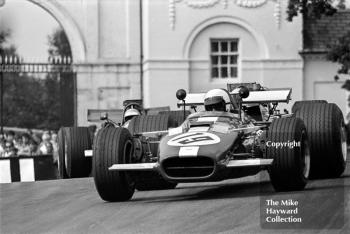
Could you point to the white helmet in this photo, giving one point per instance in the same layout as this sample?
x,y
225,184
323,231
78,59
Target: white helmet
x,y
131,113
216,99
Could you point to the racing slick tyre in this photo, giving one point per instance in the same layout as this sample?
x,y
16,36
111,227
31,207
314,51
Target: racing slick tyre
x,y
327,136
291,163
112,146
61,152
177,116
298,104
73,141
148,123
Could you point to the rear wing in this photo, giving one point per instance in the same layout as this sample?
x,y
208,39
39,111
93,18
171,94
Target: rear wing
x,y
94,115
156,110
265,96
268,96
134,101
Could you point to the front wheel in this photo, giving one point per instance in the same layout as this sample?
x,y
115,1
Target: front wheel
x,y
150,180
287,144
112,146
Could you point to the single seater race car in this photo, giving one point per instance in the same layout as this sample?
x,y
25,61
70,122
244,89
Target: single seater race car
x,y
239,133
75,143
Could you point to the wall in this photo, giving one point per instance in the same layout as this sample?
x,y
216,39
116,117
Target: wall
x,y
319,81
105,42
177,35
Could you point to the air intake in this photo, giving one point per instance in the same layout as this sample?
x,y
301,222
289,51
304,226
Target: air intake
x,y
195,167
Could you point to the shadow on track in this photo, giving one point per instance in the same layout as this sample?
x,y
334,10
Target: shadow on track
x,y
208,192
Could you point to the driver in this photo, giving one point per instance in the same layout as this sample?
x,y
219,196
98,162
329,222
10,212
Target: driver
x,y
130,113
216,100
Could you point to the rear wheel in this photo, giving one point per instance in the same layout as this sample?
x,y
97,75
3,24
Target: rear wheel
x,y
73,141
298,104
61,153
150,123
291,164
327,136
151,180
113,146
178,116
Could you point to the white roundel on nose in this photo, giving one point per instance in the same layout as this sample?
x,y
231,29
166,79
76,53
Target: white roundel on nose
x,y
194,138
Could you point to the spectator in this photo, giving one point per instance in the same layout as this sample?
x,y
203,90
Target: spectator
x,y
45,147
33,146
36,138
10,136
30,132
24,148
10,150
54,147
17,141
2,147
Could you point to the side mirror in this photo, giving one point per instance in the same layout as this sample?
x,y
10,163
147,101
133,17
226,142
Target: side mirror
x,y
181,94
243,92
104,116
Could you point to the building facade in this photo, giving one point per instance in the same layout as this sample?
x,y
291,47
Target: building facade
x,y
127,49
199,45
319,73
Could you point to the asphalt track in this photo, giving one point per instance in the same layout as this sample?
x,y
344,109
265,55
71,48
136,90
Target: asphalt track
x,y
232,206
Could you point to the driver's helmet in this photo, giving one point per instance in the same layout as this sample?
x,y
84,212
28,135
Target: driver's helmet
x,y
216,100
130,113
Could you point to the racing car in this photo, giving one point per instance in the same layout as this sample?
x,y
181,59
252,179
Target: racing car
x,y
75,143
239,132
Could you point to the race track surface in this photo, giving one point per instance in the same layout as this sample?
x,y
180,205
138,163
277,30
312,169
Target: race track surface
x,y
232,206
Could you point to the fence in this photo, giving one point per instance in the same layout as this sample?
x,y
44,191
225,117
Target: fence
x,y
62,66
27,168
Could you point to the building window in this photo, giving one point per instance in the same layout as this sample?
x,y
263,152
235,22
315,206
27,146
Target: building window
x,y
224,58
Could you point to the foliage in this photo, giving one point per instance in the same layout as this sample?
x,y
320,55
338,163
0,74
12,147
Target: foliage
x,y
29,101
59,45
340,53
3,37
310,7
26,104
341,5
6,50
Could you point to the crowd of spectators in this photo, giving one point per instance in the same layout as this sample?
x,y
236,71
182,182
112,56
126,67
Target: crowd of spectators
x,y
28,144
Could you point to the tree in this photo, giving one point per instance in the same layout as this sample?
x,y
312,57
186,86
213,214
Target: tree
x,y
20,92
61,84
341,5
310,7
339,52
30,101
8,50
59,44
4,34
